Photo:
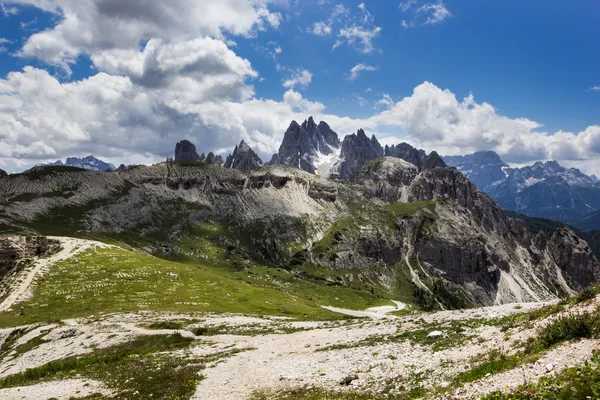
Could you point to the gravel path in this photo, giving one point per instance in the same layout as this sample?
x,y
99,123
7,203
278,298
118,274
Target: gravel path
x,y
61,390
373,312
321,354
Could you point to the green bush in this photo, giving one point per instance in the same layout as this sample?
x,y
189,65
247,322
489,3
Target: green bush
x,y
567,327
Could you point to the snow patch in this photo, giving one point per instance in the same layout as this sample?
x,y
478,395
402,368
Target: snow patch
x,y
325,164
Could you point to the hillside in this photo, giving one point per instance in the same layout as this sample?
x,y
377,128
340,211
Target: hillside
x,y
129,257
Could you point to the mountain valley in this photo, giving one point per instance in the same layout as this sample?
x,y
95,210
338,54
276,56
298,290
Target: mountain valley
x,y
233,254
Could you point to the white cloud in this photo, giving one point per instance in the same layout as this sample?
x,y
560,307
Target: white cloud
x,y
121,120
427,14
358,68
300,77
407,5
361,100
92,26
6,11
434,119
321,29
595,88
360,34
339,12
436,13
386,101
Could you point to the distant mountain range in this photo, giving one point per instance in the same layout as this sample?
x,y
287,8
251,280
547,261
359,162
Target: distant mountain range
x,y
89,162
544,189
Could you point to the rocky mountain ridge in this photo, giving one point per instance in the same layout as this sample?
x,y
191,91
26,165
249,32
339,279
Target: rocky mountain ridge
x,y
430,235
545,189
90,162
243,157
308,147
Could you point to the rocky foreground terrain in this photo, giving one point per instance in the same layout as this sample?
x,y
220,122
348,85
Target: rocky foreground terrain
x,y
393,352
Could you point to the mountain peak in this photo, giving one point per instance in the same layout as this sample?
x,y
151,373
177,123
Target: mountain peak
x,y
90,162
185,151
243,157
305,146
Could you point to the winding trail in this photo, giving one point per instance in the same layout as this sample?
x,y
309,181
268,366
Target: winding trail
x,y
373,312
70,247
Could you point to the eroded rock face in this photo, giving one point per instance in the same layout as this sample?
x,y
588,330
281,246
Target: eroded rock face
x,y
304,144
243,157
418,158
387,178
13,250
213,159
574,257
185,151
357,150
3,173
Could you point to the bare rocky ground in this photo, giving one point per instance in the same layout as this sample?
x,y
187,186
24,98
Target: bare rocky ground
x,y
384,350
276,353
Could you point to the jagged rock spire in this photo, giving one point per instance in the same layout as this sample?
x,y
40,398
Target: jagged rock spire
x,y
243,157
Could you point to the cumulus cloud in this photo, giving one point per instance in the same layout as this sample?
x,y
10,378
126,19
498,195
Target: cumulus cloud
x,y
117,119
200,69
300,77
595,88
121,120
435,119
92,26
358,68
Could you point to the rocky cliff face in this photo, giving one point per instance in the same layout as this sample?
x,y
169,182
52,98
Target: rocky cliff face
x,y
416,157
308,146
15,249
243,157
213,159
357,150
185,151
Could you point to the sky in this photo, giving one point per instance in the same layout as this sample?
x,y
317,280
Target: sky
x,y
126,80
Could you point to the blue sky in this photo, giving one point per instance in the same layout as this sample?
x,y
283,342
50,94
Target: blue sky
x,y
126,81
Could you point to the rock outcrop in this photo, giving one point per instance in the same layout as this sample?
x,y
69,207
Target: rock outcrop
x,y
307,146
357,150
3,173
387,178
243,157
213,159
416,157
185,151
13,250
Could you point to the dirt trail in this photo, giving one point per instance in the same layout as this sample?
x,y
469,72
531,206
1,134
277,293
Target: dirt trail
x,y
373,312
292,360
70,247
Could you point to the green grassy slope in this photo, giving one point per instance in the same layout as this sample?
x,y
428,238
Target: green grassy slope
x,y
118,280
